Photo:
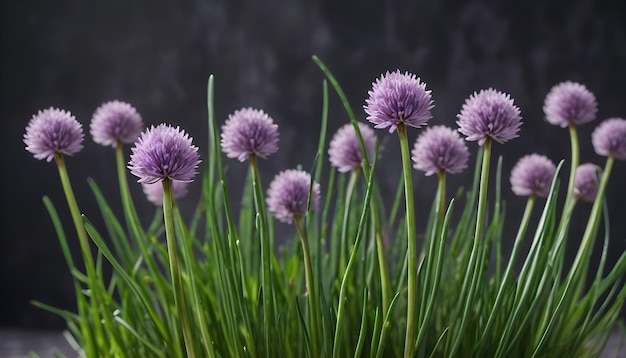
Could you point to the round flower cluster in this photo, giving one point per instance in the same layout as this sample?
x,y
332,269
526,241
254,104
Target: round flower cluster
x,y
586,181
398,98
53,131
532,175
247,132
609,138
288,195
440,148
570,103
115,122
489,114
344,150
164,152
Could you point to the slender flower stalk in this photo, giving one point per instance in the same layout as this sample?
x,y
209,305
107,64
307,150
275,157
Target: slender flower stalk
x,y
343,251
409,347
113,124
83,240
508,272
266,256
165,153
396,101
485,116
51,134
177,280
287,200
310,284
247,134
570,104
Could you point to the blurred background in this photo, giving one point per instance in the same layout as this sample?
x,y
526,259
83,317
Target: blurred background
x,y
157,55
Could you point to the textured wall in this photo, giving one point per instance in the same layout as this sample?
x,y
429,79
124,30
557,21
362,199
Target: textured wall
x,y
157,56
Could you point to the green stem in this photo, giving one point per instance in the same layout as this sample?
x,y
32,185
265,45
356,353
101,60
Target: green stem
x,y
344,229
572,173
310,284
409,341
594,218
84,246
438,243
132,219
472,280
521,232
177,282
385,285
266,273
566,299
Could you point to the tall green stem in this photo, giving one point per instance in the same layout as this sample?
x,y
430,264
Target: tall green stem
x,y
266,259
594,218
310,284
438,242
472,279
572,173
177,282
411,244
132,219
343,251
84,245
509,269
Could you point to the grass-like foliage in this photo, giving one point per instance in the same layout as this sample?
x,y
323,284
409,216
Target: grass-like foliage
x,y
353,279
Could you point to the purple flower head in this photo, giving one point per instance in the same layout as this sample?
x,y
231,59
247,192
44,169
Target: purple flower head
x,y
154,191
570,103
586,181
164,152
489,114
532,175
53,131
398,98
115,122
609,138
248,132
288,194
344,149
440,148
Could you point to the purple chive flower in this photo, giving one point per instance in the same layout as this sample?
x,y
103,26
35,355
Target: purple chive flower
x,y
154,191
164,152
398,98
570,103
532,175
440,148
115,122
53,131
248,132
586,181
489,114
288,194
609,138
344,150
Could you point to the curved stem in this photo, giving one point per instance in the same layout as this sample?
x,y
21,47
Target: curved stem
x,y
177,282
84,245
572,173
411,243
310,283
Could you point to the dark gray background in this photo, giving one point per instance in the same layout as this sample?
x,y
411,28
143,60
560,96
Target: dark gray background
x,y
158,56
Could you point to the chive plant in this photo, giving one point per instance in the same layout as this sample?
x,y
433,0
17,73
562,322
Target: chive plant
x,y
351,277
